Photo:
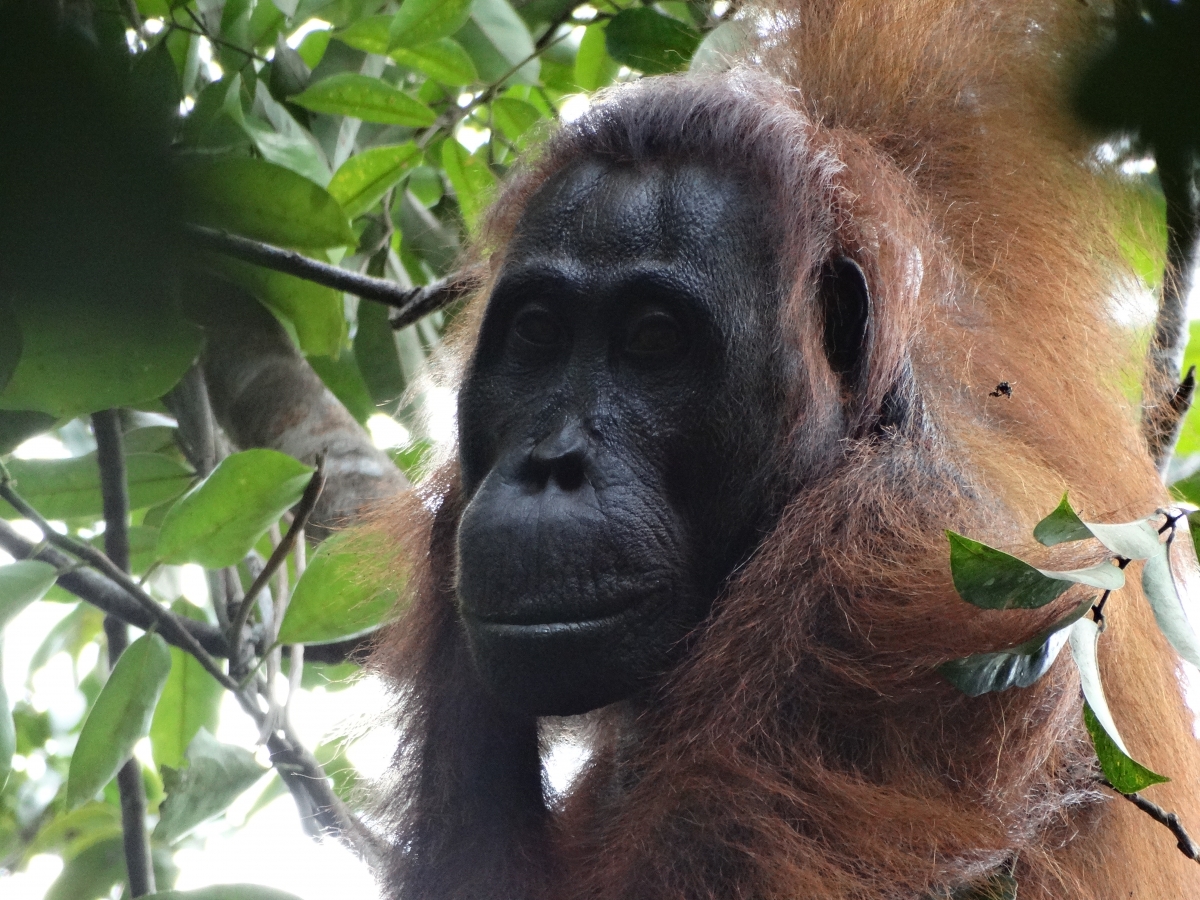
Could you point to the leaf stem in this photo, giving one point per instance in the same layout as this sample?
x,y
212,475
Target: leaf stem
x,y
1186,845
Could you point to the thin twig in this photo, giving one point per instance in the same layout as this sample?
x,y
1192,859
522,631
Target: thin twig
x,y
114,494
1186,845
303,510
166,620
410,303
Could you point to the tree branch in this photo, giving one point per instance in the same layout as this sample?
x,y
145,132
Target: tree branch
x,y
410,304
114,493
1186,845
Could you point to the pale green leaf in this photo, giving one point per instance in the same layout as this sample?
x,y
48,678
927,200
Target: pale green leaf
x,y
120,717
190,701
217,522
594,68
214,776
1167,599
366,98
70,488
365,177
1084,638
21,583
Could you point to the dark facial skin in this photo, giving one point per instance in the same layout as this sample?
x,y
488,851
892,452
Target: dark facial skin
x,y
617,427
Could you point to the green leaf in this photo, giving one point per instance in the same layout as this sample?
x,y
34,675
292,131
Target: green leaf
x,y
225,892
315,312
72,831
366,98
367,176
70,488
992,579
1061,526
143,546
370,34
264,201
647,40
375,351
443,60
217,522
471,178
21,583
340,595
1019,666
92,873
216,774
514,117
421,21
8,729
1125,774
18,426
509,35
85,353
190,700
1167,600
594,68
1189,436
120,718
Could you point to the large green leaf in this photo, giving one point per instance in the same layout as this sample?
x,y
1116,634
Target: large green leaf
x,y
644,39
992,579
85,353
92,874
367,176
315,312
340,595
217,522
190,701
226,892
265,201
216,774
120,717
21,583
1166,598
366,98
421,21
594,68
74,830
1133,540
70,488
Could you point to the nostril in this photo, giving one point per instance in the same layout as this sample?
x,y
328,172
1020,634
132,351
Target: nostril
x,y
560,457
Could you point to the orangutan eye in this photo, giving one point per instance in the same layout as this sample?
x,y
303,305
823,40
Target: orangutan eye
x,y
654,335
537,327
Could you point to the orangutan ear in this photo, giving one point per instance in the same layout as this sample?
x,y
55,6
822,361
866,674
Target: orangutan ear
x,y
846,307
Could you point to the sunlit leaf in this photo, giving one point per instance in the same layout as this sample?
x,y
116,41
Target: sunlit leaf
x,y
509,35
472,180
1061,526
72,831
421,21
1018,666
366,98
70,488
594,68
1124,773
1167,599
21,583
265,201
644,39
217,522
120,717
992,579
190,701
216,774
365,177
514,117
340,595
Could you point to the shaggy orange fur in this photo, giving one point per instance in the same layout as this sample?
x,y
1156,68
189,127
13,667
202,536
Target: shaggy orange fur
x,y
805,747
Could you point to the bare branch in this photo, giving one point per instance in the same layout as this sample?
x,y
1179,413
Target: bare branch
x,y
1186,845
410,304
114,493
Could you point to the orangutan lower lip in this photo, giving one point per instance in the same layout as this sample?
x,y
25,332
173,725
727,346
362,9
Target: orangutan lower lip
x,y
527,626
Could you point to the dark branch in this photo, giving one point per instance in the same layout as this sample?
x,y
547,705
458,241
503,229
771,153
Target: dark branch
x,y
109,597
170,624
1186,845
1166,399
410,304
114,492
